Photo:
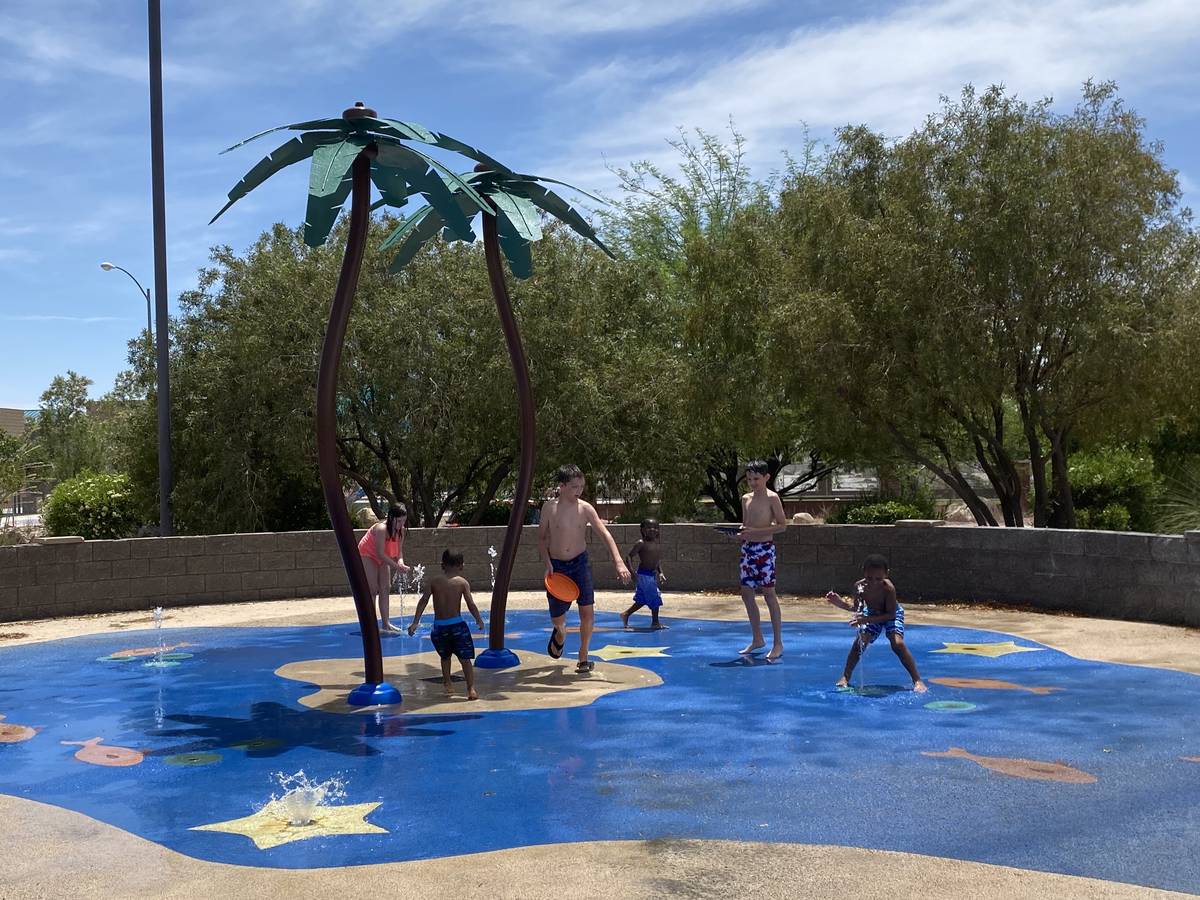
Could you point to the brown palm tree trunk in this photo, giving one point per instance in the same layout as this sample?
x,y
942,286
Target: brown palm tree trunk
x,y
512,536
327,459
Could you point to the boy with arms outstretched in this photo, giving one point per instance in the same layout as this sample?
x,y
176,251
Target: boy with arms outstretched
x,y
649,574
451,636
877,611
762,519
562,544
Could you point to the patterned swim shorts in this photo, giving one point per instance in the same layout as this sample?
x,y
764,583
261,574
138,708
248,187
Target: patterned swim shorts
x,y
891,626
757,567
452,638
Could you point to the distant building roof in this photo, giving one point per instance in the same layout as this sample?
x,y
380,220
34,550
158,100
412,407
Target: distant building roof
x,y
12,421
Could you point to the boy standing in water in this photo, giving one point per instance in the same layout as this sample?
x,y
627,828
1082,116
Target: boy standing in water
x,y
562,544
876,611
451,636
649,574
762,519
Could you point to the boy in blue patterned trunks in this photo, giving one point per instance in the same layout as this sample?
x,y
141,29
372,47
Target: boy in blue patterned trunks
x,y
762,519
877,611
649,574
562,544
451,636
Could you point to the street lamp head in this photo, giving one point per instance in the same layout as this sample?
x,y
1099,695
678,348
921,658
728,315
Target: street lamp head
x,y
107,266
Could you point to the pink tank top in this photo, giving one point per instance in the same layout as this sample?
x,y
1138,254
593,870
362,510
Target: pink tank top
x,y
366,547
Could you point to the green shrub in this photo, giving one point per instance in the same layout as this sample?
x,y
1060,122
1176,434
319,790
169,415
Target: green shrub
x,y
1103,480
919,503
884,513
91,506
1113,517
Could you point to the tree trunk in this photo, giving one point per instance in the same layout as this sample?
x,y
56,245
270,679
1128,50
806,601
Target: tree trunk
x,y
1062,513
489,492
527,431
327,451
1037,466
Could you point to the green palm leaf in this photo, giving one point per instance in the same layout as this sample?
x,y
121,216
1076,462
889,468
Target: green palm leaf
x,y
414,232
329,185
546,199
417,171
448,143
293,151
392,186
515,247
519,211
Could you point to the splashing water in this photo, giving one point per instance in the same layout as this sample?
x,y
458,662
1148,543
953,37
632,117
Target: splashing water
x,y
302,798
160,645
862,609
410,580
492,566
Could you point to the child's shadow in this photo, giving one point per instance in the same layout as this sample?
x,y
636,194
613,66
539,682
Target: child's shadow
x,y
872,690
744,662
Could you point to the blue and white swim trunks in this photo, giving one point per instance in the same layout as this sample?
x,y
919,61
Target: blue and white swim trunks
x,y
891,626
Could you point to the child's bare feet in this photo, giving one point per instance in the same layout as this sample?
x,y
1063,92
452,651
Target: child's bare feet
x,y
842,682
472,694
389,628
658,626
919,687
624,620
448,688
751,647
776,653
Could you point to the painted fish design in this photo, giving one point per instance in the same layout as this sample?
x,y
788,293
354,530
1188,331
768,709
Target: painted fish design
x,y
93,753
1195,759
14,734
992,684
147,651
1021,768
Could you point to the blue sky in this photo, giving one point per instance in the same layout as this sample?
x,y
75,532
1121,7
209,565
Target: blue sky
x,y
556,87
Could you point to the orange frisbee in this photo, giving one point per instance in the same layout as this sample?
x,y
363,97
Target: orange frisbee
x,y
562,587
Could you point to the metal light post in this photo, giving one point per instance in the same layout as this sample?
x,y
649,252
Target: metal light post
x,y
108,267
162,338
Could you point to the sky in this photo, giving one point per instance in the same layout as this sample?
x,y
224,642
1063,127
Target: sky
x,y
559,88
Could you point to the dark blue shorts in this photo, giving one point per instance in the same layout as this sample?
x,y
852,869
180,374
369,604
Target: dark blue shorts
x,y
453,640
578,570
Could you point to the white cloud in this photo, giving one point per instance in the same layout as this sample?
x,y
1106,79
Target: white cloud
x,y
888,71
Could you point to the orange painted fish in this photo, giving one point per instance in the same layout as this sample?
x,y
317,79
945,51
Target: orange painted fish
x,y
93,753
992,684
14,734
147,651
1190,758
1022,768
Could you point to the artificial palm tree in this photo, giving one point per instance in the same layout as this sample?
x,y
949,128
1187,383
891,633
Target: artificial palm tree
x,y
348,155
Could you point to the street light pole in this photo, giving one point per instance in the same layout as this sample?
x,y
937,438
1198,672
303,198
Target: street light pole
x,y
145,292
162,342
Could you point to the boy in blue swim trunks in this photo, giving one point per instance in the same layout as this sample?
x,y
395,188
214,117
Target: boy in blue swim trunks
x,y
451,636
562,544
877,611
649,574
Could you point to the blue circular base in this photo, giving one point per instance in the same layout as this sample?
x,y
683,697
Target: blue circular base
x,y
497,659
369,694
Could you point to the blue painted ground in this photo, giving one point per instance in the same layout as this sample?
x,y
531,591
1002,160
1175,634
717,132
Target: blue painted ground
x,y
721,750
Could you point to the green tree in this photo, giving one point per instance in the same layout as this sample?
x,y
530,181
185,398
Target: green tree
x,y
69,438
965,291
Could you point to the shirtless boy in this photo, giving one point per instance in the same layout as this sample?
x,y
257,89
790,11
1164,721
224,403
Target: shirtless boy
x,y
450,635
562,545
762,519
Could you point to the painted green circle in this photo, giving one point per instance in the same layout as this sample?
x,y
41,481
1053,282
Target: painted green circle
x,y
950,706
114,658
192,759
258,744
173,656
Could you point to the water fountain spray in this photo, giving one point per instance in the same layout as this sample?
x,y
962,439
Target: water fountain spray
x,y
302,798
861,609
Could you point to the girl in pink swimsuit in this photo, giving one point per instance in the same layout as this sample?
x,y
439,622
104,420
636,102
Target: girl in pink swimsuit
x,y
382,550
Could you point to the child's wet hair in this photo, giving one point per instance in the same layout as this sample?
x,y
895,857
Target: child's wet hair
x,y
569,472
758,467
451,560
875,561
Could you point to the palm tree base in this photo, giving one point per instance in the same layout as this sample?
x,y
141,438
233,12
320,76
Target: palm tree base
x,y
370,694
497,659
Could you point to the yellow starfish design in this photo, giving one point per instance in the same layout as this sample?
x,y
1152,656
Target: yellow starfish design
x,y
1000,648
269,826
616,651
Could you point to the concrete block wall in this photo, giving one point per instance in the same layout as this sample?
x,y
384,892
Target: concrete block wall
x,y
1145,577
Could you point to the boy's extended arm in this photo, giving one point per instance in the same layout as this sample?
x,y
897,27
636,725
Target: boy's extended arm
x,y
635,549
544,537
471,604
421,604
594,518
